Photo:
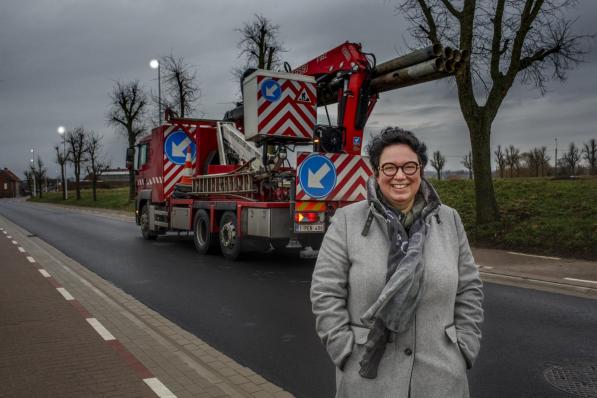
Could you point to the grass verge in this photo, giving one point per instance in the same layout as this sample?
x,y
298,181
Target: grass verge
x,y
557,217
115,199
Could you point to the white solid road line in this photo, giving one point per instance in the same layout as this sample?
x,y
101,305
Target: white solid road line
x,y
161,390
67,296
31,259
580,280
100,329
534,255
44,273
21,250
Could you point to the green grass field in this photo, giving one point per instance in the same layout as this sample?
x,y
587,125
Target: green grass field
x,y
116,199
539,215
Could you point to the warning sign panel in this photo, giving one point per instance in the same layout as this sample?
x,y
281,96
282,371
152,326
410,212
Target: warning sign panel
x,y
303,96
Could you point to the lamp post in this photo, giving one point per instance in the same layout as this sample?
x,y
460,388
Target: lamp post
x,y
155,64
33,169
61,130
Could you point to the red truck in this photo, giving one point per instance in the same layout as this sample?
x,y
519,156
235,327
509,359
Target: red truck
x,y
231,182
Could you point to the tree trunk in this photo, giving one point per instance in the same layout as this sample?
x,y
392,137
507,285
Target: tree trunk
x,y
93,186
486,205
78,180
63,187
439,175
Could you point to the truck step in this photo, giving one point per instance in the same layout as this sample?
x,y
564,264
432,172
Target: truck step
x,y
161,224
160,213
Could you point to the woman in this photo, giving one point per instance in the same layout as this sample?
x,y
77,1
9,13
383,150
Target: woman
x,y
395,291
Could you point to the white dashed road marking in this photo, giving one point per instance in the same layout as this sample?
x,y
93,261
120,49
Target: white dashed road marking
x,y
9,237
31,259
161,390
100,329
44,273
14,242
21,250
580,280
67,296
534,255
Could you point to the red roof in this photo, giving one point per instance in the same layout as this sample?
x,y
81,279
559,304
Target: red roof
x,y
10,174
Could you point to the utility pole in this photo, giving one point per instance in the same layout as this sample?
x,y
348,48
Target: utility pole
x,y
555,173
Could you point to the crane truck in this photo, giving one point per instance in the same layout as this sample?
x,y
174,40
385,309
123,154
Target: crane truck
x,y
230,182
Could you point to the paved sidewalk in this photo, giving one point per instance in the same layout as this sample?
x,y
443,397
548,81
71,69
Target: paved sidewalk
x,y
66,332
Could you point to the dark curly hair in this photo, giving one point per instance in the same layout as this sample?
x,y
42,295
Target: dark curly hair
x,y
395,135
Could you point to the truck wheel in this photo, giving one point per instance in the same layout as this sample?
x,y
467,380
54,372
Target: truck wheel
x,y
202,238
145,231
229,241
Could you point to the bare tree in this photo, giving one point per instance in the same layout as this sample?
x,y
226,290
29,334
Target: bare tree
x,y
38,172
127,109
61,159
542,158
513,159
259,43
96,163
500,159
531,162
589,153
437,162
525,39
29,179
76,140
467,162
181,88
571,158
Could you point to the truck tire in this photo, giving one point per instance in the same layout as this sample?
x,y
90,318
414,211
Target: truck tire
x,y
202,238
145,231
230,243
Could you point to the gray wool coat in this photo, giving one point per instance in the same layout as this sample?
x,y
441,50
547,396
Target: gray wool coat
x,y
429,359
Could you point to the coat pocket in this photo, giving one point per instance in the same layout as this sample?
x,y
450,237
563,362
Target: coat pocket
x,y
451,333
360,334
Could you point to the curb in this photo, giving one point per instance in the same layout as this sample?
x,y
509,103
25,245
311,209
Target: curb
x,y
539,284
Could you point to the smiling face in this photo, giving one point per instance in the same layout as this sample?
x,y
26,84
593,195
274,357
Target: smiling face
x,y
399,190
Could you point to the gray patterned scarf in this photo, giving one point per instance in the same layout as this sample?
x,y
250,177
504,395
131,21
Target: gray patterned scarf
x,y
395,307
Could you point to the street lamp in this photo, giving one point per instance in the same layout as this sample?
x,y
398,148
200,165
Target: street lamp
x,y
61,130
154,64
33,169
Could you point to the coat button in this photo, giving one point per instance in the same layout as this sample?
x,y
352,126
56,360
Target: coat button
x,y
408,352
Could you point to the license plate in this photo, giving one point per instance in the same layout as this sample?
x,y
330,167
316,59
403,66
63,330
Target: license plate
x,y
308,228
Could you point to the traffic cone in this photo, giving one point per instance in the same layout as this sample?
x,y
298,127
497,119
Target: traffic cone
x,y
188,169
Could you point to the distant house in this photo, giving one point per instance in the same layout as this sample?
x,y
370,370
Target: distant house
x,y
9,184
112,175
110,178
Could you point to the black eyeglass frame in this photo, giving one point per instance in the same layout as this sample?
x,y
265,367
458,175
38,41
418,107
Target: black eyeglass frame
x,y
392,175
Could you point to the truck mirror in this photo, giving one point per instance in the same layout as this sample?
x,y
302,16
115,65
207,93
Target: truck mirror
x,y
130,157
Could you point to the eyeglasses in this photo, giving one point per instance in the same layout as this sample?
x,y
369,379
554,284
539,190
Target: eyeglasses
x,y
408,168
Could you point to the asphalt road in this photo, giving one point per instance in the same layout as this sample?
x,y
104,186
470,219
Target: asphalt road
x,y
257,311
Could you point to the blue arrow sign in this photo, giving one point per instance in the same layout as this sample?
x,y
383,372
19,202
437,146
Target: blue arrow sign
x,y
317,176
270,89
176,146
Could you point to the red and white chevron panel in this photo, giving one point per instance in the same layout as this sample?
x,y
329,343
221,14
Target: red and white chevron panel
x,y
173,172
293,115
352,172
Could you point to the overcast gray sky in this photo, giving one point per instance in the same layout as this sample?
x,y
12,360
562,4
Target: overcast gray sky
x,y
59,60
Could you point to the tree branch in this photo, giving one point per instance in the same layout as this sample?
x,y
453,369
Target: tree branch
x,y
432,27
450,7
497,40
